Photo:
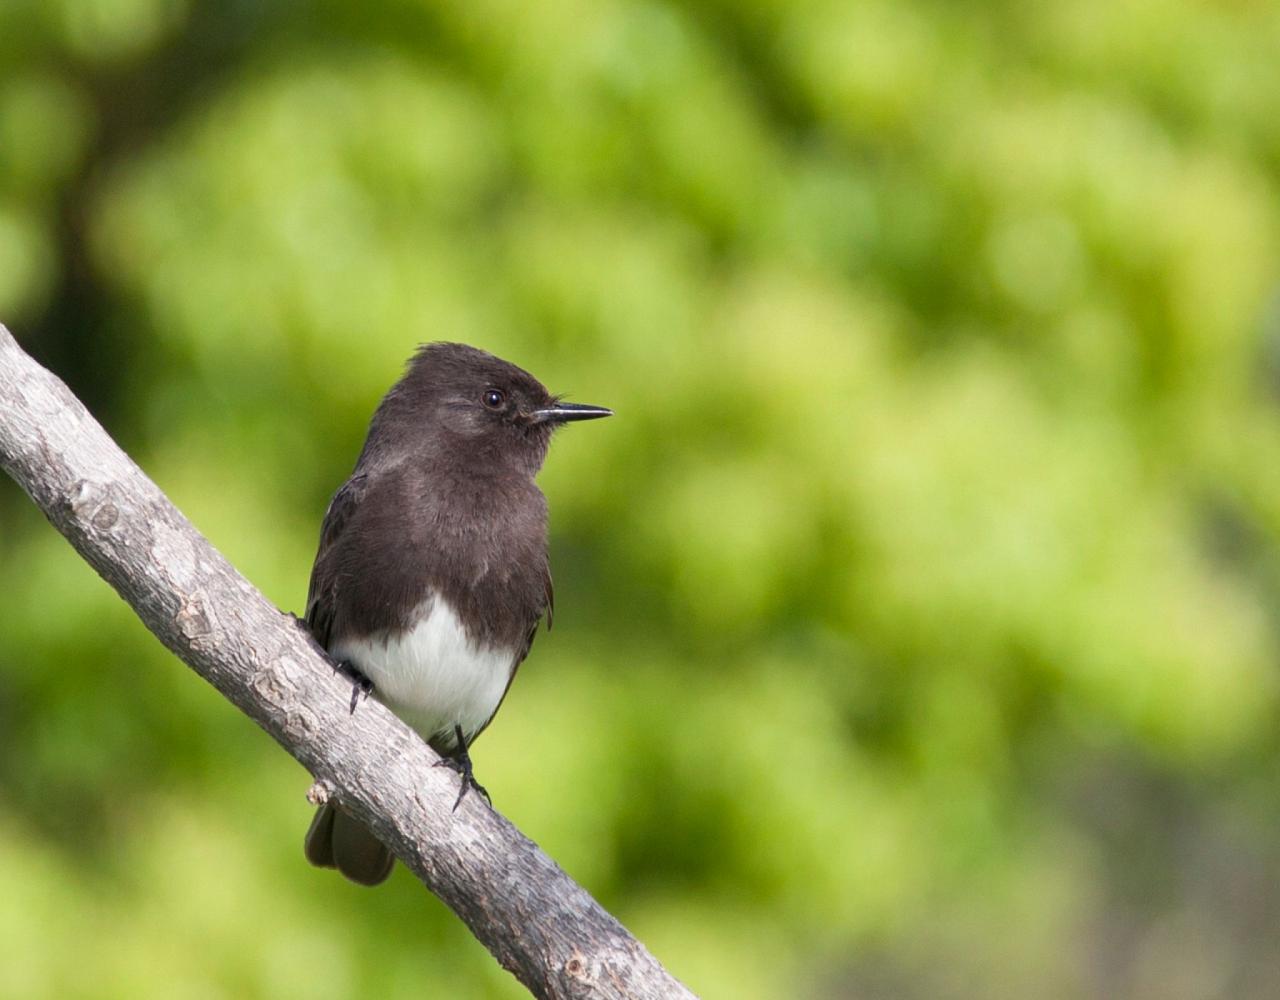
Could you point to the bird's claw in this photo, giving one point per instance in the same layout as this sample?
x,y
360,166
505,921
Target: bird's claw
x,y
361,686
460,762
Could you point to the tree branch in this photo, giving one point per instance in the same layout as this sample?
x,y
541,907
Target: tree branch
x,y
539,924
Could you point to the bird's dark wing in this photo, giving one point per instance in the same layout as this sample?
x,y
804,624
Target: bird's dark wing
x,y
549,611
321,593
550,591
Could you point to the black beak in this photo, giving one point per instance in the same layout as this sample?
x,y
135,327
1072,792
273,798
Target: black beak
x,y
562,413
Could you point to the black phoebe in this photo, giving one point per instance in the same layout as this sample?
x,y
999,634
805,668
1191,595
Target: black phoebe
x,y
432,571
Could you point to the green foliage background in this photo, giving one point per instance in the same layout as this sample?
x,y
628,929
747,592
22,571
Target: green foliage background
x,y
918,610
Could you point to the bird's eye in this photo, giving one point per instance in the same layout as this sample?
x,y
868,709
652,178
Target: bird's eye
x,y
493,398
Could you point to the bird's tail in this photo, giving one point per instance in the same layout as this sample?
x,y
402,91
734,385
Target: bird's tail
x,y
335,840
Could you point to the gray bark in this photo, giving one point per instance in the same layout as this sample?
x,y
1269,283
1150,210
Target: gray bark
x,y
537,922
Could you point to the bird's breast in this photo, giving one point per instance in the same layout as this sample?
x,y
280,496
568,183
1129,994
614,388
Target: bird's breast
x,y
431,673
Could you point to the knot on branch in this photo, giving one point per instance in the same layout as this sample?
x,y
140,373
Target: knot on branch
x,y
90,502
320,793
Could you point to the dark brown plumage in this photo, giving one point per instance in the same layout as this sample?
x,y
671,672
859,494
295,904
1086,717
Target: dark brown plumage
x,y
432,572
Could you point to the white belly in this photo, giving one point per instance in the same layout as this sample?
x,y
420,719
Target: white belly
x,y
433,676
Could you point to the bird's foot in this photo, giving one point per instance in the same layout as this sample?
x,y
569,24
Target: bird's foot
x,y
361,686
460,761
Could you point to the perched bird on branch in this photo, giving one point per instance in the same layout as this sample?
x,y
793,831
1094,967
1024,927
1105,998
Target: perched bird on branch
x,y
432,572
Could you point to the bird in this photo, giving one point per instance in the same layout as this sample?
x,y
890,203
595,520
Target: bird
x,y
432,571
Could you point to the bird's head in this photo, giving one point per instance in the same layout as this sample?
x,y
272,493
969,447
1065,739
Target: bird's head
x,y
480,402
